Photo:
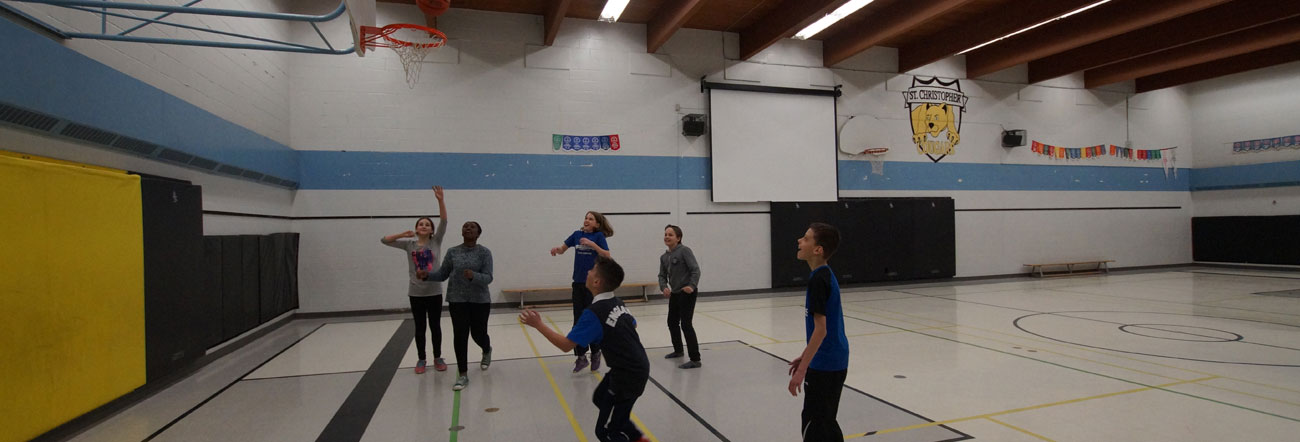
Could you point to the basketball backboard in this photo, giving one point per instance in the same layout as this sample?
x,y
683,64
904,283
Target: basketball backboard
x,y
361,13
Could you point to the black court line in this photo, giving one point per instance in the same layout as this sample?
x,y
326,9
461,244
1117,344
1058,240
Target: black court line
x,y
1241,274
227,387
963,436
350,421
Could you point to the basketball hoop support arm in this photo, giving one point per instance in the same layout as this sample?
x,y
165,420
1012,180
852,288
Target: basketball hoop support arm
x,y
100,7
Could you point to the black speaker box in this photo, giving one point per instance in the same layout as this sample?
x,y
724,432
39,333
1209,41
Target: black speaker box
x,y
1013,138
693,125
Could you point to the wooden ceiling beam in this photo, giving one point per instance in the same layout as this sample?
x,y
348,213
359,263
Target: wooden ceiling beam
x,y
1258,38
555,12
670,17
1096,24
1218,68
888,21
1208,23
989,26
784,21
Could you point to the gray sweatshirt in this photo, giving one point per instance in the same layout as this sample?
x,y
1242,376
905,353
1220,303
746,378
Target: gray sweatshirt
x,y
678,269
477,259
420,257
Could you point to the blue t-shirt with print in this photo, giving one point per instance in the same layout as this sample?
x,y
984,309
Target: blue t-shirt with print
x,y
584,257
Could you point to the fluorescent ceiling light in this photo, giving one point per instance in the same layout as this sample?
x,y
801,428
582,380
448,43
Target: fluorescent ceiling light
x,y
1076,11
613,9
830,19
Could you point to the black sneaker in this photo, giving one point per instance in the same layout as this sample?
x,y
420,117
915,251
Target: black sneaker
x,y
673,355
692,364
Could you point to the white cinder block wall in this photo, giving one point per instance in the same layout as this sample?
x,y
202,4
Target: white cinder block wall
x,y
1263,103
495,89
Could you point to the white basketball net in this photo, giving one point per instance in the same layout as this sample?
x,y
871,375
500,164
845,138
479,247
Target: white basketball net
x,y
411,57
877,163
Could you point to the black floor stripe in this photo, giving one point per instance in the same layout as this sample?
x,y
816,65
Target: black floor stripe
x,y
227,387
350,422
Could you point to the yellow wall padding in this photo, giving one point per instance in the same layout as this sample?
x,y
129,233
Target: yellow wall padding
x,y
71,292
27,156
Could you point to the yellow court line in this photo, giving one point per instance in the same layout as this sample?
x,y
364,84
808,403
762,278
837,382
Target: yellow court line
x,y
1088,350
1022,430
1032,407
597,375
774,340
577,429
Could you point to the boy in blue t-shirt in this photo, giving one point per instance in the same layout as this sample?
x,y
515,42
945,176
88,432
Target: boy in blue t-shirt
x,y
824,363
607,322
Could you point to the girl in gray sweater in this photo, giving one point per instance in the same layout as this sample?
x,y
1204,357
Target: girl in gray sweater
x,y
679,278
468,267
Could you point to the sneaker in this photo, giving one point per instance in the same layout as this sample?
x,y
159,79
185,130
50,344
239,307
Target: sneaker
x,y
439,364
461,383
580,364
419,367
673,355
487,360
691,364
595,360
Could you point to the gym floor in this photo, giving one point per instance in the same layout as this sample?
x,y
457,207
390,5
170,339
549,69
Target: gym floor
x,y
1185,354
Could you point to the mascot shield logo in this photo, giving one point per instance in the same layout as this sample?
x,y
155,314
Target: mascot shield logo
x,y
935,107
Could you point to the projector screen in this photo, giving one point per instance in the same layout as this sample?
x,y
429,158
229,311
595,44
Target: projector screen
x,y
772,146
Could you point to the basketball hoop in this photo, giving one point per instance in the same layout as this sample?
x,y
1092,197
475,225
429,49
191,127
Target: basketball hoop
x,y
411,43
877,158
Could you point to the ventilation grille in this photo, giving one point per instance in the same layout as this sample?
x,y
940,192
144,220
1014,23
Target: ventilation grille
x,y
16,116
87,133
137,146
26,118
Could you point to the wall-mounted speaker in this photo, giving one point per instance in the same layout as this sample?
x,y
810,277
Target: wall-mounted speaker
x,y
1013,138
694,125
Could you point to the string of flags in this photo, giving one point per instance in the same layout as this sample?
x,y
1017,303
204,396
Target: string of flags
x,y
1166,155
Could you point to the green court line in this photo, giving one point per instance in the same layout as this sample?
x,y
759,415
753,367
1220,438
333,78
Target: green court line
x,y
455,416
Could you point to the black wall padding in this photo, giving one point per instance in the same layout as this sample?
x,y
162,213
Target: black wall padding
x,y
178,315
1247,239
255,279
882,239
212,291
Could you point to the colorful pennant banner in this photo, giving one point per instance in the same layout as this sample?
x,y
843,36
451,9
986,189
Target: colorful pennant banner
x,y
1097,151
1291,141
584,142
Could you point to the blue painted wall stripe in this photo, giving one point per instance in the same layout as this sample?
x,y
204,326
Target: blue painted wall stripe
x,y
1247,176
410,170
42,75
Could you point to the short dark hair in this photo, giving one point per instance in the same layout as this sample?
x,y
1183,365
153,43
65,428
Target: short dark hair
x,y
611,274
676,230
476,225
826,236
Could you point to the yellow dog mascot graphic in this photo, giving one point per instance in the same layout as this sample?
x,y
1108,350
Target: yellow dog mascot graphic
x,y
936,108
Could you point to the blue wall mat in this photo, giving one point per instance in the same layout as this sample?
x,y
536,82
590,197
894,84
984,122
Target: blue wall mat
x,y
42,75
1248,176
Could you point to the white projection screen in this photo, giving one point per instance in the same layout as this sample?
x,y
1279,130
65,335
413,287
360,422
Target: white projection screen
x,y
772,146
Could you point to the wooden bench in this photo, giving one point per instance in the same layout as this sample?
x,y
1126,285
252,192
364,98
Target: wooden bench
x,y
1098,266
645,295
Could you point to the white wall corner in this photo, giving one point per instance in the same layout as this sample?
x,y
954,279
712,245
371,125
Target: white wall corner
x,y
650,64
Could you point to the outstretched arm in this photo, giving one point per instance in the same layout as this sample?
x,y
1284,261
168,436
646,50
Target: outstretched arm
x,y
442,215
534,320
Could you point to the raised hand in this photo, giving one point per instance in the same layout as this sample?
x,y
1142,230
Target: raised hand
x,y
406,234
437,192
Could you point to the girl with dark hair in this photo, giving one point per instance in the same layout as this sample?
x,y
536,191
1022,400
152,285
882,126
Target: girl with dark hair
x,y
425,294
590,242
679,277
468,266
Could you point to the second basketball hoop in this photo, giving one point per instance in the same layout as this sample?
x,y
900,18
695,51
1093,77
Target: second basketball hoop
x,y
877,158
411,43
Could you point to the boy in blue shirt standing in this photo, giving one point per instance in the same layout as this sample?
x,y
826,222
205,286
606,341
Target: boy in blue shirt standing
x,y
824,363
607,322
